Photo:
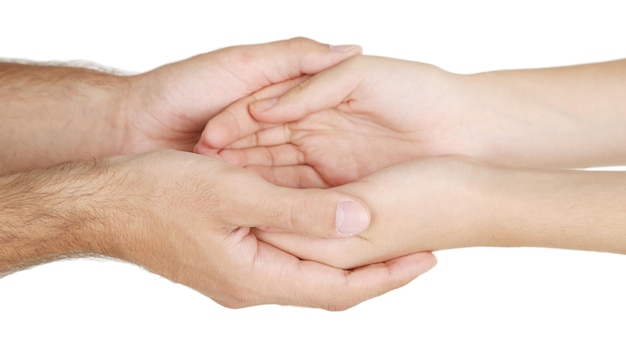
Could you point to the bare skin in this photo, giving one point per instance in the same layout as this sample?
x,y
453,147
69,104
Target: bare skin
x,y
187,218
444,203
371,112
377,128
64,192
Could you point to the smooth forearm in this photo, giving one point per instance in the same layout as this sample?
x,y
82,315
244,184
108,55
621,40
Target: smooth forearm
x,y
54,114
437,204
579,210
567,117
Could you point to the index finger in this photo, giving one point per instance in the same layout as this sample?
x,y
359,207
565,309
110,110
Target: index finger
x,y
235,122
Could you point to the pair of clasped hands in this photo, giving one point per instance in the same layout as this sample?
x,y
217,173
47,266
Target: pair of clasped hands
x,y
322,177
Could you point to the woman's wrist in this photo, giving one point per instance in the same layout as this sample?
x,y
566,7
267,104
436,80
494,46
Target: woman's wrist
x,y
536,119
580,210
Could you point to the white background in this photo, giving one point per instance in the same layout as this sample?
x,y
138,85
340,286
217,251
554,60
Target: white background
x,y
483,294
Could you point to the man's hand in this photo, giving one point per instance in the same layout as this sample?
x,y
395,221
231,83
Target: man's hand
x,y
189,218
169,107
51,114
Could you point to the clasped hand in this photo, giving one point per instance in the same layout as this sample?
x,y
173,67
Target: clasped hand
x,y
304,174
355,127
248,267
327,177
441,160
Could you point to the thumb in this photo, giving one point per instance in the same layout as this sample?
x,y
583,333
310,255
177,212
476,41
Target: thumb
x,y
315,212
324,90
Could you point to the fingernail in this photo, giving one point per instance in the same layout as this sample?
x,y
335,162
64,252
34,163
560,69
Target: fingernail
x,y
264,104
203,149
343,48
352,218
200,148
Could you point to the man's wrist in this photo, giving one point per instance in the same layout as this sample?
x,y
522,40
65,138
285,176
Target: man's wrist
x,y
56,114
59,212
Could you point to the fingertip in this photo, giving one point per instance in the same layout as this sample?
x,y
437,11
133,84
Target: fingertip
x,y
268,229
207,139
261,110
207,151
201,147
351,218
218,133
428,260
348,49
317,212
262,104
421,262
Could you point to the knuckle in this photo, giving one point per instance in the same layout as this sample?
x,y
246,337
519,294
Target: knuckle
x,y
237,299
292,216
302,86
300,41
302,214
232,304
337,306
271,157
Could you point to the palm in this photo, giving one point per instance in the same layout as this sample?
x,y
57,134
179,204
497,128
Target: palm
x,y
336,146
342,146
175,117
343,124
162,129
170,106
329,148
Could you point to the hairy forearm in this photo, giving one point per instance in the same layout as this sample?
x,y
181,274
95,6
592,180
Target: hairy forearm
x,y
579,210
52,114
571,116
53,213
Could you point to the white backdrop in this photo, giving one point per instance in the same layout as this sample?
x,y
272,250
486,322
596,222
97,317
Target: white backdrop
x,y
479,293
